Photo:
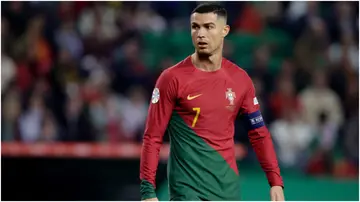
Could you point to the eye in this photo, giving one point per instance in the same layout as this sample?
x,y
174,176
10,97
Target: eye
x,y
209,26
194,27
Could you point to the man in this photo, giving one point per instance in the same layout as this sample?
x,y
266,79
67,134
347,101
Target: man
x,y
197,101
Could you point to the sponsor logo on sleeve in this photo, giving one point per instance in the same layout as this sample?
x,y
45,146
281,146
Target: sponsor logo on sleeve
x,y
155,96
255,101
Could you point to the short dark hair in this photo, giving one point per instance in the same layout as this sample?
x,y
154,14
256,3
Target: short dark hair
x,y
211,8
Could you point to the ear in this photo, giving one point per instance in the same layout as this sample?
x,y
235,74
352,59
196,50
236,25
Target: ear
x,y
225,31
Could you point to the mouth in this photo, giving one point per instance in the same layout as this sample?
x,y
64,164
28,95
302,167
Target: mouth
x,y
202,44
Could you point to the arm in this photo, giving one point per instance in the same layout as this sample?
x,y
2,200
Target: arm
x,y
161,106
260,138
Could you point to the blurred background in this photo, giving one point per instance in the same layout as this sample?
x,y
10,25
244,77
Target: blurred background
x,y
76,80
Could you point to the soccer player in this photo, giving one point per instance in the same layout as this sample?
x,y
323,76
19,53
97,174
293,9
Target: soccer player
x,y
197,101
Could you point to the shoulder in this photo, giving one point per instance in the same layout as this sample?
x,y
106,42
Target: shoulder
x,y
236,71
171,74
178,69
175,69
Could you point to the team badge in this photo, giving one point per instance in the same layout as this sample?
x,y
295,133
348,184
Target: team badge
x,y
230,95
155,96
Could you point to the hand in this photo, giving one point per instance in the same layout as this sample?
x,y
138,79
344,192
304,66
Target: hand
x,y
151,199
277,193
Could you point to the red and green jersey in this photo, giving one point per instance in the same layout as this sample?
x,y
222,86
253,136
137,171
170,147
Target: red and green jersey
x,y
198,109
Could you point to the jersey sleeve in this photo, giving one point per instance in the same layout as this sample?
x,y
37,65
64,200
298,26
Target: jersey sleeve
x,y
259,136
160,109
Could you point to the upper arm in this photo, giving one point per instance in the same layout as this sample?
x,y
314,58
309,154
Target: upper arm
x,y
250,107
250,103
162,103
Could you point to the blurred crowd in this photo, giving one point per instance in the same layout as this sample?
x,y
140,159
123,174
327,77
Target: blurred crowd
x,y
84,71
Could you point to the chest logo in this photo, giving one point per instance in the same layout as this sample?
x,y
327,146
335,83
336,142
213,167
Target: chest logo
x,y
230,95
193,97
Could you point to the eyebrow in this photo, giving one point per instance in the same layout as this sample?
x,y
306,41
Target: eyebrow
x,y
205,24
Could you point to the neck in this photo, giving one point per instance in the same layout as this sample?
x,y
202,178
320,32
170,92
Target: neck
x,y
207,63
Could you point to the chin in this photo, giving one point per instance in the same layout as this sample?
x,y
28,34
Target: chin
x,y
203,52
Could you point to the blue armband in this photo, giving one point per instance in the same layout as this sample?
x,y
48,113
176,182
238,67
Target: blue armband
x,y
254,120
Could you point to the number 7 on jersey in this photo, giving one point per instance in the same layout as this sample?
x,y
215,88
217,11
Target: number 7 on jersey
x,y
197,109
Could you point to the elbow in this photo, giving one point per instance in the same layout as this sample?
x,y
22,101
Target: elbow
x,y
152,139
258,134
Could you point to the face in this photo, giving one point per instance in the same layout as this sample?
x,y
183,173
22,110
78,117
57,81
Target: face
x,y
208,32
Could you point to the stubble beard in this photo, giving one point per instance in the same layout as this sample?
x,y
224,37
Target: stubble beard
x,y
203,55
207,54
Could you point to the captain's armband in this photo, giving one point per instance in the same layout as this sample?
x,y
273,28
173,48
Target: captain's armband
x,y
254,120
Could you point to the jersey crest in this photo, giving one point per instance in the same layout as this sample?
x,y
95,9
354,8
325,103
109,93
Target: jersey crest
x,y
230,95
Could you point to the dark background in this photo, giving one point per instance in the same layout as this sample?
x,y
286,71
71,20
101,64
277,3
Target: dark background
x,y
71,179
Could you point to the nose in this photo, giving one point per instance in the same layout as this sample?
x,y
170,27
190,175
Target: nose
x,y
201,33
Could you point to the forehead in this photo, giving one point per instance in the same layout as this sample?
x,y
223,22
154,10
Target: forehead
x,y
202,18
